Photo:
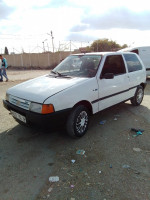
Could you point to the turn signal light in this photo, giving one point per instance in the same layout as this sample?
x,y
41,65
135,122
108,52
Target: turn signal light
x,y
47,108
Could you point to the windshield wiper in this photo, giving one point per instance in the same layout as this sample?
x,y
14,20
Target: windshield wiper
x,y
59,74
53,72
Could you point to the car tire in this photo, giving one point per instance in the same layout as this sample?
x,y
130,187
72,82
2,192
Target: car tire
x,y
78,121
138,97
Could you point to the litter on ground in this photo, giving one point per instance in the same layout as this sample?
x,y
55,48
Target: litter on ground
x,y
50,189
126,166
137,131
53,179
137,149
102,122
80,152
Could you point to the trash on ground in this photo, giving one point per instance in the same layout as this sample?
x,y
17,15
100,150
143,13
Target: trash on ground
x,y
138,173
53,178
72,186
138,131
137,149
88,184
72,198
69,174
102,122
50,189
73,161
80,152
126,166
100,172
115,119
110,165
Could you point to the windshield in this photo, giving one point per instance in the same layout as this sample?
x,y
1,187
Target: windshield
x,y
78,66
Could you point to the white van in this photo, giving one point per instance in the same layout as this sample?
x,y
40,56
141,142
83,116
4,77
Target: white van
x,y
80,86
144,54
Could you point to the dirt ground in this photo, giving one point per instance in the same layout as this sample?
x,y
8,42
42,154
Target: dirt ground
x,y
115,165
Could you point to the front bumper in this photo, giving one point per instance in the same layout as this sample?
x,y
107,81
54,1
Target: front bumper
x,y
55,118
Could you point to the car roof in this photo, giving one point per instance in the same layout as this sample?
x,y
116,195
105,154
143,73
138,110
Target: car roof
x,y
104,53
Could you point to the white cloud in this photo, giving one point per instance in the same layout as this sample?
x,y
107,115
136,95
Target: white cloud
x,y
83,20
115,18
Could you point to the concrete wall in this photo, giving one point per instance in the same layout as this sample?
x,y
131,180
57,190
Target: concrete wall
x,y
36,60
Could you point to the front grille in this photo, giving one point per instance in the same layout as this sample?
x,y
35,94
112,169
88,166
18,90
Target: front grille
x,y
19,102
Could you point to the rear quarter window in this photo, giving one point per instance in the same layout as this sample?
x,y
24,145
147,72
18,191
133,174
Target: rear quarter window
x,y
133,62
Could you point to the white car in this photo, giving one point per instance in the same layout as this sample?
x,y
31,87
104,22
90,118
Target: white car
x,y
80,86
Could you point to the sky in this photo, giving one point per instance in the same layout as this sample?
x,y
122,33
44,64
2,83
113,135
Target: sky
x,y
26,25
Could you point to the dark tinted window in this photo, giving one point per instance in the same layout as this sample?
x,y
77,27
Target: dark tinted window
x,y
135,51
114,64
133,62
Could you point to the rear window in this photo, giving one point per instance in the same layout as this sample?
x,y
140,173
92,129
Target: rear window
x,y
133,62
135,51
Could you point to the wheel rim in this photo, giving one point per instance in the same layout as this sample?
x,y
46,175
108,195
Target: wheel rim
x,y
82,122
139,96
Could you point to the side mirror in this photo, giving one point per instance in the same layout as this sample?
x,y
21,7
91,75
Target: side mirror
x,y
108,76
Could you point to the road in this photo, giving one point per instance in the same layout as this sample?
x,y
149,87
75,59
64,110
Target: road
x,y
115,165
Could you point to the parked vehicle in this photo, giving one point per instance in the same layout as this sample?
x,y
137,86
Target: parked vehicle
x,y
80,86
144,54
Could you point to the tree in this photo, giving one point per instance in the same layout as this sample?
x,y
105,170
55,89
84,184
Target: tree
x,y
124,46
106,45
6,51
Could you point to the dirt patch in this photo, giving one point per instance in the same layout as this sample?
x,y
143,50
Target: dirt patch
x,y
110,169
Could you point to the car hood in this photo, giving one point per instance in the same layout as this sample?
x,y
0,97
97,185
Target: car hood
x,y
39,89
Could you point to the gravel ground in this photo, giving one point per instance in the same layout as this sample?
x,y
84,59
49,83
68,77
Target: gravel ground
x,y
115,165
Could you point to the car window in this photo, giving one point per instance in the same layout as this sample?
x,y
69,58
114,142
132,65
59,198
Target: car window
x,y
79,66
135,51
114,64
133,62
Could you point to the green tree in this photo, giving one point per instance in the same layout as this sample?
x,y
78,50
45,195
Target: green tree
x,y
6,51
106,45
124,46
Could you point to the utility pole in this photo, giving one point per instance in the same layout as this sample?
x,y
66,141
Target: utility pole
x,y
43,46
70,46
51,34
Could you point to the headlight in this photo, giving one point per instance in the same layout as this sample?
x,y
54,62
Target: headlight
x,y
36,107
7,97
41,108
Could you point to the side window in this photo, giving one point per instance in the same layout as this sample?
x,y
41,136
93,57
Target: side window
x,y
114,64
133,62
135,51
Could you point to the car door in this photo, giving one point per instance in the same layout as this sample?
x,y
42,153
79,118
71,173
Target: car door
x,y
113,82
